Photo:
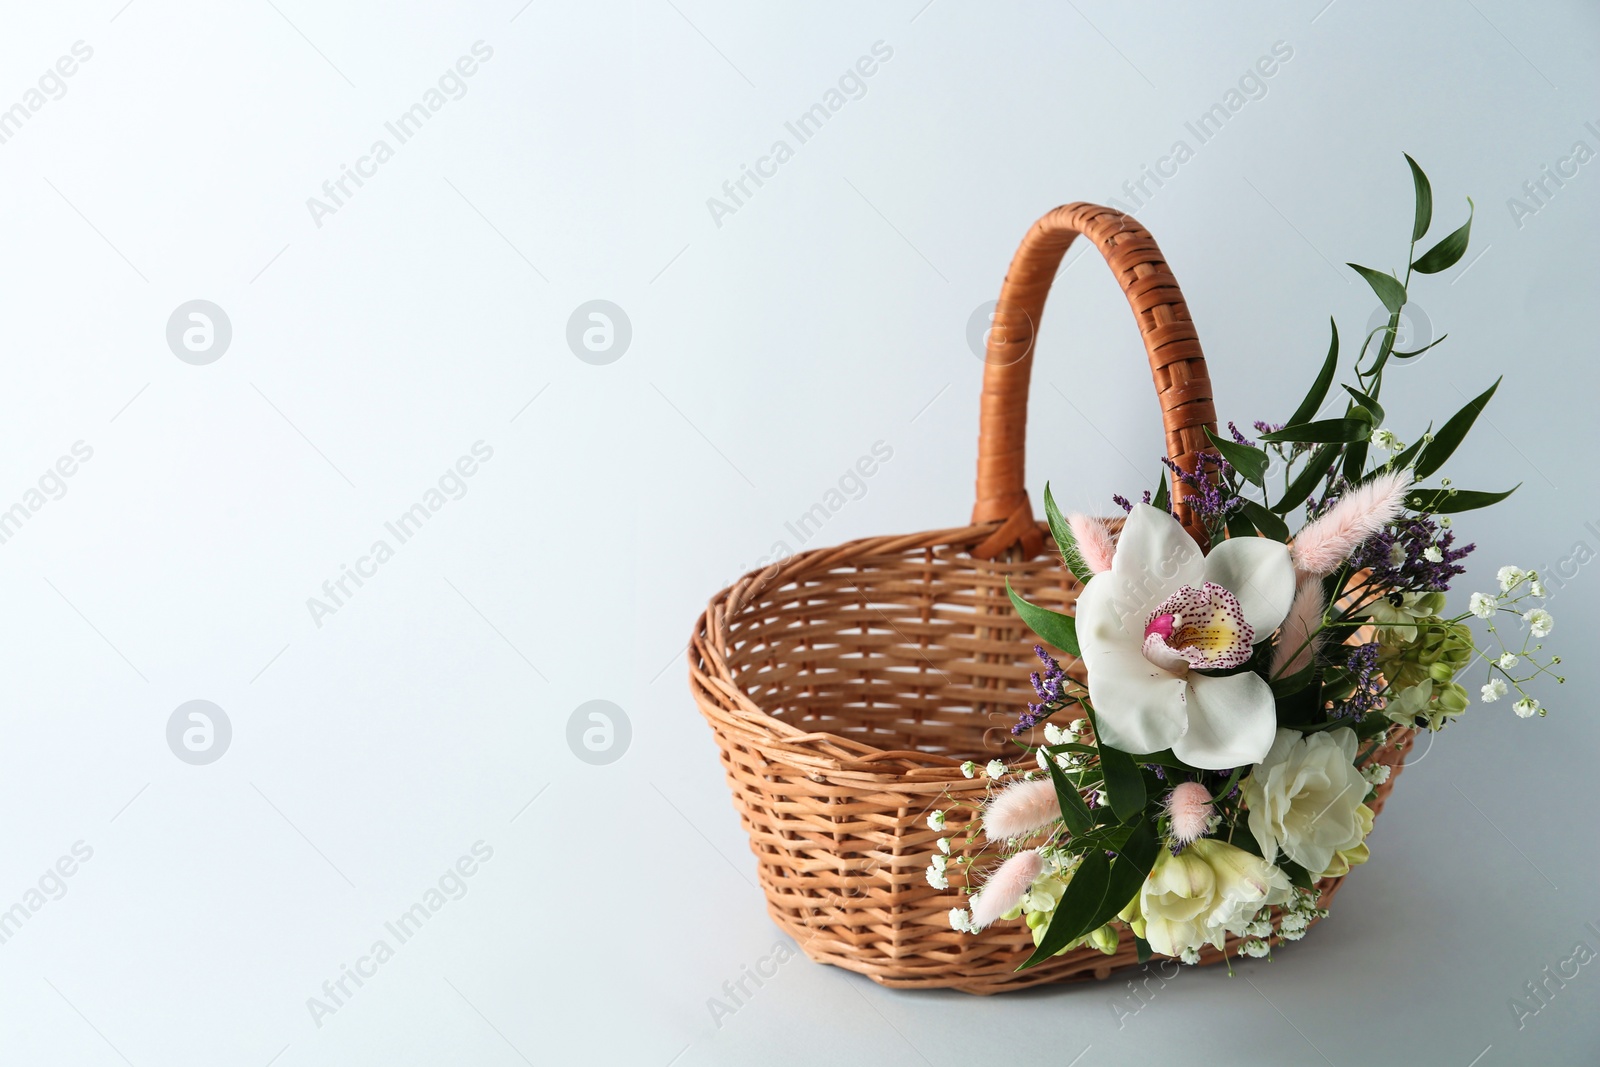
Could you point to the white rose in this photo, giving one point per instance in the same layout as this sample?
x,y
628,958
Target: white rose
x,y
1204,893
1303,798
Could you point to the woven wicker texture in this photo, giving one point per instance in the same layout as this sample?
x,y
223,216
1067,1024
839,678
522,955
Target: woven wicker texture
x,y
845,686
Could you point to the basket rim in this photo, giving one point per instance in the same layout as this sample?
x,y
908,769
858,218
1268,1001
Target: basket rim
x,y
843,759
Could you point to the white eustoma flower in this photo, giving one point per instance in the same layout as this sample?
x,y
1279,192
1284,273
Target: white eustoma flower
x,y
1494,690
1303,798
1201,895
1163,613
1540,623
1508,577
1483,605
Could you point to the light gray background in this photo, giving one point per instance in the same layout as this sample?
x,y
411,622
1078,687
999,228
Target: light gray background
x,y
768,354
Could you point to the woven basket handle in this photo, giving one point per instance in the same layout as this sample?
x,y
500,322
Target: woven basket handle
x,y
1176,364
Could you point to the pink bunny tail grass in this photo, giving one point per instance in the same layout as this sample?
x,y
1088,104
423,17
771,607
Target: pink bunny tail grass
x,y
1295,644
1189,807
1006,887
1327,542
1095,546
1021,809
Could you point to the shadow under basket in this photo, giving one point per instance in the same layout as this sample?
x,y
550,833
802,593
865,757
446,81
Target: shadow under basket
x,y
845,686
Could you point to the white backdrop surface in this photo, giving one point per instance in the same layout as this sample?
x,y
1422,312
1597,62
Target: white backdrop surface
x,y
400,371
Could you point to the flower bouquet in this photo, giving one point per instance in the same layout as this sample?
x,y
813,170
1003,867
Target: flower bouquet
x,y
1221,756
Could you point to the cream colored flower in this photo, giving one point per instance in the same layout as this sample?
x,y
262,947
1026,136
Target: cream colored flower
x,y
1303,798
1204,893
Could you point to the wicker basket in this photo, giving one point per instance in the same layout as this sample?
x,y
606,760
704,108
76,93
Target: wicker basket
x,y
845,686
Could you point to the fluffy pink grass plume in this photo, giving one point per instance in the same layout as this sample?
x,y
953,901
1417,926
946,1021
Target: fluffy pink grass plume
x,y
1006,887
1020,809
1328,541
1189,807
1295,645
1095,546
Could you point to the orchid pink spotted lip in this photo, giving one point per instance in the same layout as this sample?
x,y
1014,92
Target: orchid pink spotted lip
x,y
1163,613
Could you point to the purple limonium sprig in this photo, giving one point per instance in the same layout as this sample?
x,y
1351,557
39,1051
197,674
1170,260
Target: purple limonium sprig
x,y
1413,555
1051,687
1363,668
1241,438
1208,499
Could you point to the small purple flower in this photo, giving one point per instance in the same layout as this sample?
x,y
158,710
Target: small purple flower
x,y
1398,556
1363,668
1051,688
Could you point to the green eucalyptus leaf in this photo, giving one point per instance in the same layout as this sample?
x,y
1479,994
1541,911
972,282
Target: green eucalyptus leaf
x,y
1074,812
1128,873
1448,252
1078,905
1452,432
1250,462
1265,521
1315,470
1057,629
1061,530
1424,215
1387,286
1451,501
1414,353
1124,783
1370,403
1340,431
1319,389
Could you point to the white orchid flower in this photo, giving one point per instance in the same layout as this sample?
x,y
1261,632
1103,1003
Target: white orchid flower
x,y
1164,613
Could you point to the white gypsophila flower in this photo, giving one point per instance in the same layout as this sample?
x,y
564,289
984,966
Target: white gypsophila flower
x,y
1292,921
969,768
995,769
1525,707
1075,728
1540,622
1259,928
936,878
1256,949
1376,773
1053,734
1433,554
944,845
1483,605
960,920
1507,661
1508,577
1397,554
1386,440
1536,587
1294,935
940,862
1042,756
936,820
1191,956
1066,761
1494,690
1445,522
